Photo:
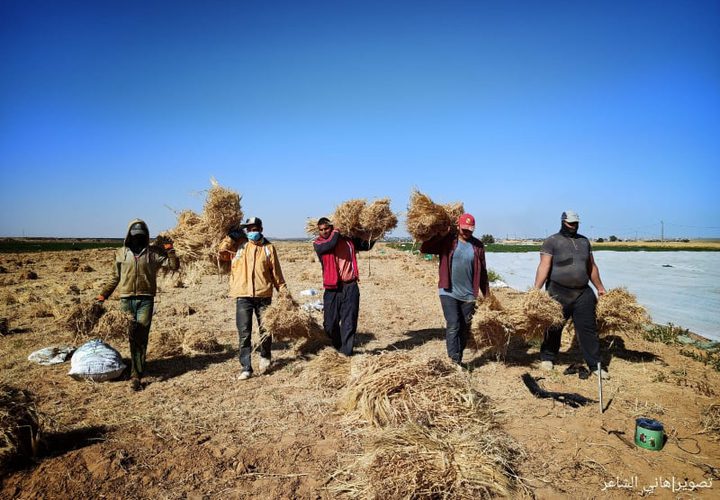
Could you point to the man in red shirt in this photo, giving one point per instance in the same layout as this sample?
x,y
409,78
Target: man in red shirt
x,y
341,300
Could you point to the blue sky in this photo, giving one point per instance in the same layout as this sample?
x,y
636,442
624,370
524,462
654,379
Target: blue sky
x,y
113,110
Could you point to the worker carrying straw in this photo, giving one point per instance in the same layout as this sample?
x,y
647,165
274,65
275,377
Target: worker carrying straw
x,y
463,276
341,299
254,273
566,266
134,275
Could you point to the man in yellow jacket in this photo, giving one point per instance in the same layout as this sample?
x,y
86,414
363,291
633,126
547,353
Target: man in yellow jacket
x,y
254,273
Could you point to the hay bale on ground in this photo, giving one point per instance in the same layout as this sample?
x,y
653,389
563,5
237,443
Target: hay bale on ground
x,y
328,370
426,218
284,319
346,219
377,219
19,426
414,461
200,342
81,318
619,311
114,325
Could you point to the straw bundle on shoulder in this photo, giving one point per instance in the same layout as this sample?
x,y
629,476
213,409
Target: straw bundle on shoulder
x,y
222,210
490,326
454,210
618,310
346,219
114,325
328,370
81,318
19,426
198,341
311,227
284,319
377,219
426,218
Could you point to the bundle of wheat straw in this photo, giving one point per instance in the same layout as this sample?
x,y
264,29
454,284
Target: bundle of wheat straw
x,y
200,342
311,227
538,312
491,326
284,319
19,426
426,218
80,318
189,237
619,311
711,421
377,219
328,370
114,325
222,211
346,219
167,343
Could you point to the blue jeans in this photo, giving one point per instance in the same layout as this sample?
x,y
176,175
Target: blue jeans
x,y
458,315
141,309
244,309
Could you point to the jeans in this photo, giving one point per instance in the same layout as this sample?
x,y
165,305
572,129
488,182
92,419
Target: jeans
x,y
244,309
341,308
458,315
141,309
582,310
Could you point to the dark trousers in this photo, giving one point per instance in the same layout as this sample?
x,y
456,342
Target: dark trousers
x,y
244,309
341,308
582,311
458,316
141,309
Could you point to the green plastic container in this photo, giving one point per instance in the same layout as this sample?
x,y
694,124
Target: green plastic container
x,y
649,434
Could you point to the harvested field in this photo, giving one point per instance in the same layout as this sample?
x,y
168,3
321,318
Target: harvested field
x,y
195,431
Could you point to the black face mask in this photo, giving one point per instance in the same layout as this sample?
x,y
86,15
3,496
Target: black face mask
x,y
137,242
568,231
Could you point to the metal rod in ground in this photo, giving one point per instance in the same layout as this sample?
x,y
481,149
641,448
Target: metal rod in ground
x,y
599,374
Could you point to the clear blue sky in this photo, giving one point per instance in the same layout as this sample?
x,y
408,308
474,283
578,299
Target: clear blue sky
x,y
111,110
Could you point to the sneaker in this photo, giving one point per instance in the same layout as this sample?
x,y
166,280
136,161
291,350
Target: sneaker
x,y
603,374
244,375
547,365
264,364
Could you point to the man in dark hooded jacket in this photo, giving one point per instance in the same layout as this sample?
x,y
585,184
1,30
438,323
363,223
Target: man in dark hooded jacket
x,y
134,275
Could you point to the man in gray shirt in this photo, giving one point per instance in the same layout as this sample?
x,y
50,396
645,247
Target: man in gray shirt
x,y
566,266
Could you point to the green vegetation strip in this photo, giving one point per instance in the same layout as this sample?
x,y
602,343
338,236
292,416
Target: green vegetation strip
x,y
24,246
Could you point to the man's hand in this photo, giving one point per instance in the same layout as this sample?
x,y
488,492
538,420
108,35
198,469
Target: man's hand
x,y
100,299
168,246
601,291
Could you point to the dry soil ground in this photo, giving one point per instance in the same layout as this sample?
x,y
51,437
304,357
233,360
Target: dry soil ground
x,y
195,431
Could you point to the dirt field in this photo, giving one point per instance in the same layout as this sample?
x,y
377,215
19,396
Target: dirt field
x,y
196,432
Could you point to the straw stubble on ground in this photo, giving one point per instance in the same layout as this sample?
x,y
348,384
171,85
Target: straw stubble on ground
x,y
196,431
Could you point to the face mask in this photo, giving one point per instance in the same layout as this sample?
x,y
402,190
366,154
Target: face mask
x,y
254,235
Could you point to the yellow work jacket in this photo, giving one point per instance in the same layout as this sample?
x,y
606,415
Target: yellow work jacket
x,y
255,268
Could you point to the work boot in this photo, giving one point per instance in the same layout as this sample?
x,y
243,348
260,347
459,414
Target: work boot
x,y
603,374
244,375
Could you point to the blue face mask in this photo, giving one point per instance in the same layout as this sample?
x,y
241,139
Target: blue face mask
x,y
254,235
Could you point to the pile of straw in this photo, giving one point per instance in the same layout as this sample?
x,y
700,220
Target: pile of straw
x,y
356,219
80,318
618,311
414,461
711,420
438,436
197,236
284,319
328,370
19,426
426,218
200,342
114,325
167,343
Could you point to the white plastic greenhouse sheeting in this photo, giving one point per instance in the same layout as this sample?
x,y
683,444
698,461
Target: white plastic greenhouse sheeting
x,y
686,294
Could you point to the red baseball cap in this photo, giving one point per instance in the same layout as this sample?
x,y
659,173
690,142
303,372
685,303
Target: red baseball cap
x,y
466,221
